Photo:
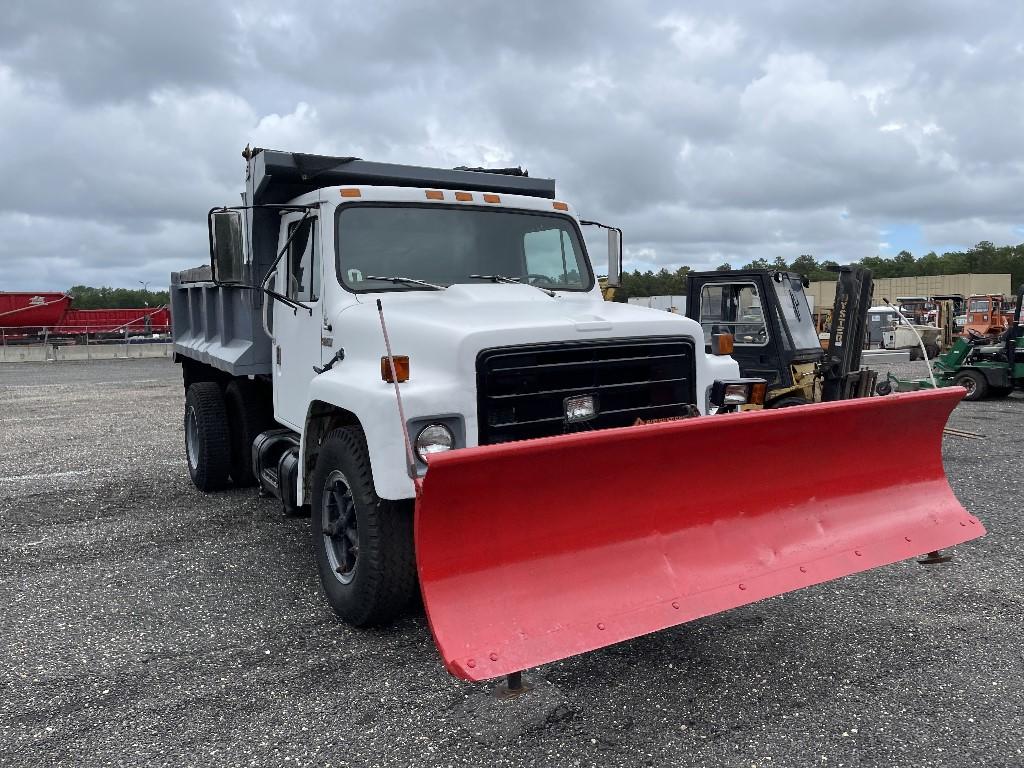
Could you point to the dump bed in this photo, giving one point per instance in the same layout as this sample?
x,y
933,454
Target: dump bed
x,y
219,325
134,321
25,309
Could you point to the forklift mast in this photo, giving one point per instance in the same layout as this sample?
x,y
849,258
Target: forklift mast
x,y
843,378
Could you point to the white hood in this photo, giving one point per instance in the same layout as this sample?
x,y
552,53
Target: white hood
x,y
448,328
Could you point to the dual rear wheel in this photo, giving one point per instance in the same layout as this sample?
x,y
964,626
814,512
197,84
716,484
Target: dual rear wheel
x,y
220,427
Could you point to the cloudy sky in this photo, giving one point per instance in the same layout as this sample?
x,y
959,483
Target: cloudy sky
x,y
710,131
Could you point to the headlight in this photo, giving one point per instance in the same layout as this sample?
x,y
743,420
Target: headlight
x,y
738,392
433,438
579,408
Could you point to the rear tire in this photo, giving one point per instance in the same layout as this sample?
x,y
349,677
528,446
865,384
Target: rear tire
x,y
975,384
207,445
249,413
362,544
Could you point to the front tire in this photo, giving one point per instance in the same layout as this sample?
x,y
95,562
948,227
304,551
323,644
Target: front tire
x,y
975,384
207,446
362,544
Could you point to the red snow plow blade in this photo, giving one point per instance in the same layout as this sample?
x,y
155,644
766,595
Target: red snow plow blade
x,y
533,551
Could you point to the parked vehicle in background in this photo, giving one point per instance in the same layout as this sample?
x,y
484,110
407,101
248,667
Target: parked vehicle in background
x,y
986,314
29,316
775,336
881,318
27,313
985,366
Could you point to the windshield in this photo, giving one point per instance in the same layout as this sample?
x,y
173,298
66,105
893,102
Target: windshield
x,y
445,245
793,301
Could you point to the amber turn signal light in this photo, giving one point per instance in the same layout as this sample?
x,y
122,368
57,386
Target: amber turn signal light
x,y
721,344
401,369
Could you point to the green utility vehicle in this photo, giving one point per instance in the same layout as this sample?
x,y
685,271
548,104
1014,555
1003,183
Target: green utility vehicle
x,y
985,367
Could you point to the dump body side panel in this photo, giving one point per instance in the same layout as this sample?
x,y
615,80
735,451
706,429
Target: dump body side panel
x,y
218,325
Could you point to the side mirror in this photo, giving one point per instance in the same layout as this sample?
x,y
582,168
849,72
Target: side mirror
x,y
614,251
614,256
226,257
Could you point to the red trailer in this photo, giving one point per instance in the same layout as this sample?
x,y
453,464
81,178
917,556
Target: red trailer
x,y
114,322
26,311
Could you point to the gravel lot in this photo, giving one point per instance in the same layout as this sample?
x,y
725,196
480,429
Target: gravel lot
x,y
144,623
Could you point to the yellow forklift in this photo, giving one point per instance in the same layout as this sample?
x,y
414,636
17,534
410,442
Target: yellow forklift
x,y
774,333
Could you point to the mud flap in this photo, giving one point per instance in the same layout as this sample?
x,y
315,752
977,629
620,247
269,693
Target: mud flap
x,y
533,551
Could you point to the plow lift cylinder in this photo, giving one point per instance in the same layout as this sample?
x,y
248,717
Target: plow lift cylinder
x,y
533,551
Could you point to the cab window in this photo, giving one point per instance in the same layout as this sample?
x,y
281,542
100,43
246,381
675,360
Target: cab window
x,y
303,262
733,308
551,258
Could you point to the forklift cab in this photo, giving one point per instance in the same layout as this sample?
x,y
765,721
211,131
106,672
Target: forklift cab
x,y
767,314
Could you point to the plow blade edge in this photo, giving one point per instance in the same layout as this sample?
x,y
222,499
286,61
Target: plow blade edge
x,y
532,551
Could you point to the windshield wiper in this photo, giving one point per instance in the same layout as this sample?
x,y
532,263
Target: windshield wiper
x,y
512,280
411,280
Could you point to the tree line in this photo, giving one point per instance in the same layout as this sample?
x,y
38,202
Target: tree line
x,y
983,258
87,297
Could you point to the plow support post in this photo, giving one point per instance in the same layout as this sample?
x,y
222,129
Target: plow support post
x,y
533,551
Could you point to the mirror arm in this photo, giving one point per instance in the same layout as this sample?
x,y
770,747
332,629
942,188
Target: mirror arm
x,y
611,230
295,305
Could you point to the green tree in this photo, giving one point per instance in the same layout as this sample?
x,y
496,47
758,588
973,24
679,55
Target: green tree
x,y
87,297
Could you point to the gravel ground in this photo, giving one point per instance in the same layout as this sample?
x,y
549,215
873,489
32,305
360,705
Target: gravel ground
x,y
145,623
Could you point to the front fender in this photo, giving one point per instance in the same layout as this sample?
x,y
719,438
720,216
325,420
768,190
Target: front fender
x,y
358,389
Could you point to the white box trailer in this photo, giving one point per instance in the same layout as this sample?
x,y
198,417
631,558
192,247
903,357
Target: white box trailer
x,y
666,303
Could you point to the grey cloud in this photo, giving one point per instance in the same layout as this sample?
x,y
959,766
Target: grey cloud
x,y
112,51
714,132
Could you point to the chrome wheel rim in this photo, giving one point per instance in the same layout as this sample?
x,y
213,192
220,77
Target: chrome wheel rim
x,y
339,526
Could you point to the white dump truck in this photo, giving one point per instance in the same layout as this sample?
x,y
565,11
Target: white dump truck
x,y
362,322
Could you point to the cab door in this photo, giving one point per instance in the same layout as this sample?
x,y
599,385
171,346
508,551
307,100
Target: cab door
x,y
742,307
296,331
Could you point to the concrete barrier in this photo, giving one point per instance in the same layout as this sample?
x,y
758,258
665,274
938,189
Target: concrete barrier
x,y
885,356
38,353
